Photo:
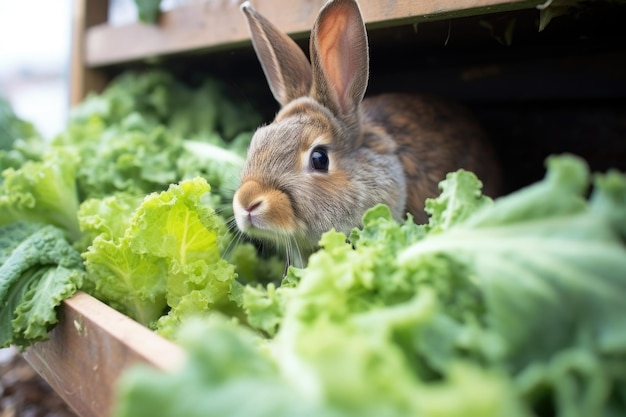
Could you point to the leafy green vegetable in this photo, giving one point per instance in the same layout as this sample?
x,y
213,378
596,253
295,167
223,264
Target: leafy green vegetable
x,y
460,197
147,130
219,164
156,258
148,10
19,139
38,270
505,308
149,94
251,267
107,217
227,377
134,157
560,254
166,255
43,191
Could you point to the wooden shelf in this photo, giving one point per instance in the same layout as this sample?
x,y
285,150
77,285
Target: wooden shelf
x,y
89,349
218,25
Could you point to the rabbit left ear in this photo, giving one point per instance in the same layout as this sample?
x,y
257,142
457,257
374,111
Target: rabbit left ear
x,y
340,57
286,67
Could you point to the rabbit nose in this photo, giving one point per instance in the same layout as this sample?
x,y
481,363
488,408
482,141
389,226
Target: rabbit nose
x,y
253,206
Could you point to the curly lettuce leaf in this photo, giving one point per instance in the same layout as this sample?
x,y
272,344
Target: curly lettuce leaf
x,y
108,217
132,283
38,269
152,94
167,260
552,270
560,252
265,306
460,197
218,163
228,374
134,157
43,191
19,139
251,267
148,130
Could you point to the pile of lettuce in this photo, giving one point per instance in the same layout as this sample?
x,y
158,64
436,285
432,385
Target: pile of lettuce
x,y
513,307
119,205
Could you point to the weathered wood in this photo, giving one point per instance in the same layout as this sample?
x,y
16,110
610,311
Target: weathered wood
x,y
85,14
215,25
89,349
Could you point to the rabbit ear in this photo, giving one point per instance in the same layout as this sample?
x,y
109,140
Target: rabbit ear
x,y
286,67
339,54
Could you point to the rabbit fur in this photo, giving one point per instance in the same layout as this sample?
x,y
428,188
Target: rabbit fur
x,y
392,149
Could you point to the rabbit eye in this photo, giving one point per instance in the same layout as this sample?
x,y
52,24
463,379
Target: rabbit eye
x,y
319,159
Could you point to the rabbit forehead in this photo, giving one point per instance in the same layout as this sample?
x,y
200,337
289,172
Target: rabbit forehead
x,y
272,152
287,140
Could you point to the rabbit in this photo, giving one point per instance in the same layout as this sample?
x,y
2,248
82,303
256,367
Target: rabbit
x,y
329,154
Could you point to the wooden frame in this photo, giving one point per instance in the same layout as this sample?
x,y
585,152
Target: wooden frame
x,y
85,14
193,26
214,25
88,350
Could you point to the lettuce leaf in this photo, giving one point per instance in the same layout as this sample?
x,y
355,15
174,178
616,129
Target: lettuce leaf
x,y
557,254
43,191
19,139
38,270
228,377
165,259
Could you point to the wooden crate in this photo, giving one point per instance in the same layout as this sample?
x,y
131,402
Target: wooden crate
x,y
88,350
93,344
214,25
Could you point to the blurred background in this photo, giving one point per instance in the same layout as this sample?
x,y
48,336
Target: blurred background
x,y
35,56
34,60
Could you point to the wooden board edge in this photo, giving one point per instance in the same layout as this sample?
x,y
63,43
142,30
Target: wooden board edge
x,y
88,350
85,14
220,25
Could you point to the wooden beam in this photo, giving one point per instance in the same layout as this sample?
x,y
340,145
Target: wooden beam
x,y
85,14
89,349
219,25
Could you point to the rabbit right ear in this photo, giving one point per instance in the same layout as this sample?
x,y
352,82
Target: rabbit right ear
x,y
340,58
285,65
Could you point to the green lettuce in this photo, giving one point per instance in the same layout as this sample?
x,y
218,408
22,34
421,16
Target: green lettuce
x,y
19,139
160,258
148,130
38,269
164,259
512,307
43,191
135,157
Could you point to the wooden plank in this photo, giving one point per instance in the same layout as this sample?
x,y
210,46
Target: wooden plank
x,y
85,14
217,25
88,350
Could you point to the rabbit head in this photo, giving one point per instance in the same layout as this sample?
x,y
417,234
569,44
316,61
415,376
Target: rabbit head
x,y
315,167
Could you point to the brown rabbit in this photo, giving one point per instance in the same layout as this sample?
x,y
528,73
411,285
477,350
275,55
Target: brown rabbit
x,y
329,155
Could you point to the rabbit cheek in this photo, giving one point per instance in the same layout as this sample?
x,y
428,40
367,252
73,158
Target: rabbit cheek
x,y
259,208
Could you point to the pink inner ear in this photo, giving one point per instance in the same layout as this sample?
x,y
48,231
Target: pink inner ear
x,y
336,50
